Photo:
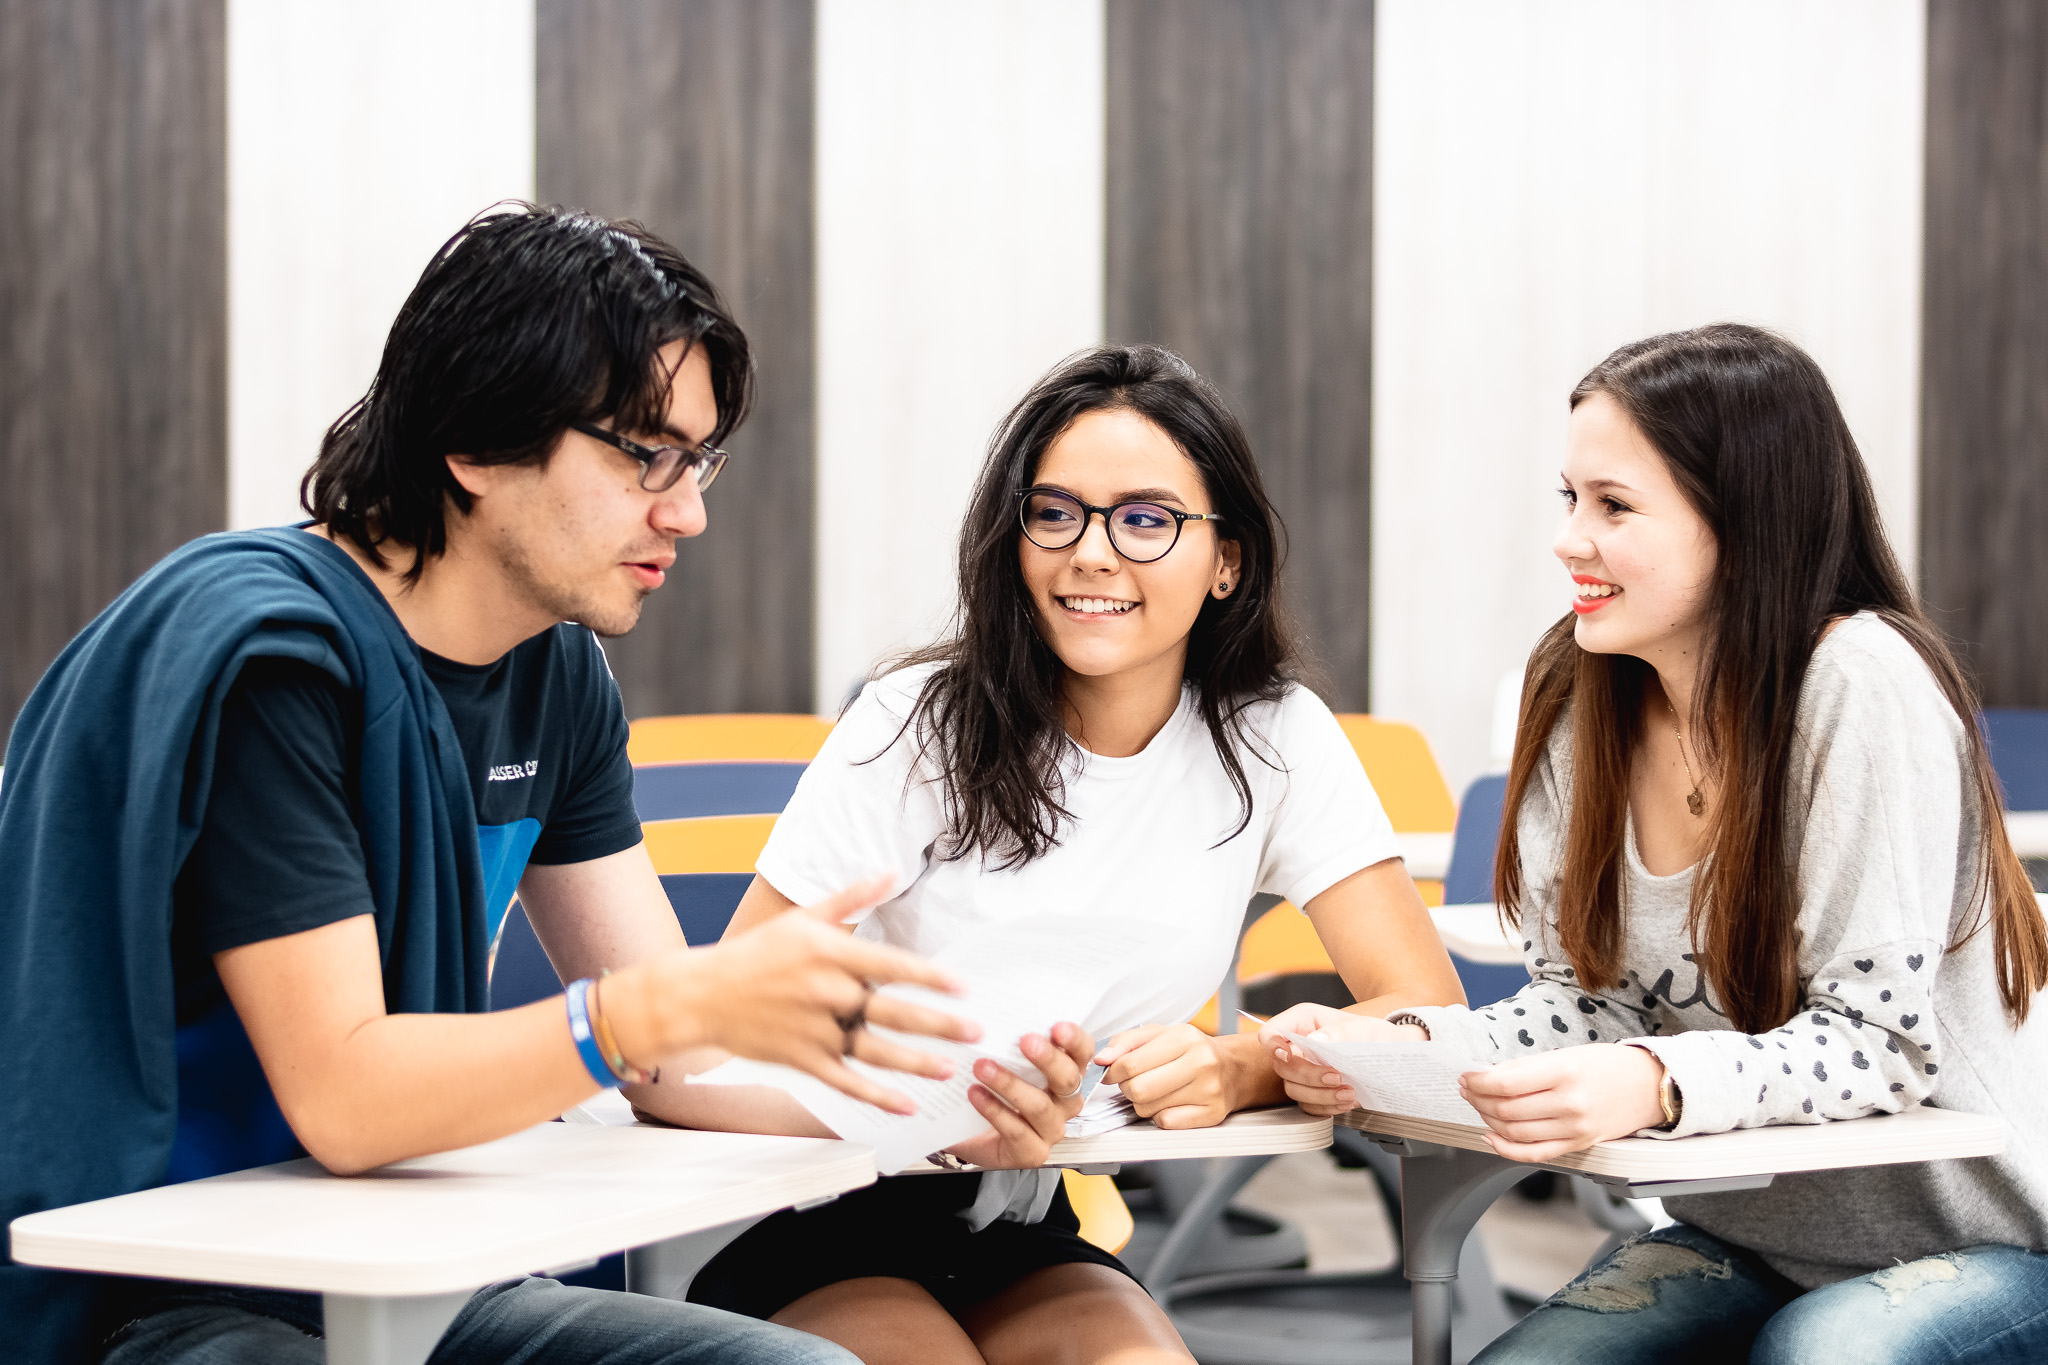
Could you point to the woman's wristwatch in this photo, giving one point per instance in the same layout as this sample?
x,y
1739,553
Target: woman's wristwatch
x,y
1672,1101
1669,1098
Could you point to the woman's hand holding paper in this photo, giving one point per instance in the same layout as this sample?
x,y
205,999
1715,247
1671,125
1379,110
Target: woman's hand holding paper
x,y
1026,1120
1541,1107
1317,1088
1180,1077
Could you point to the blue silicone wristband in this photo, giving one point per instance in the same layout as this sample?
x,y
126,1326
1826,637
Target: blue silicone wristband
x,y
586,1042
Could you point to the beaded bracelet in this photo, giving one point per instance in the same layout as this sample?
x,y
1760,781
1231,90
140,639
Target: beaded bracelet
x,y
586,1042
613,1056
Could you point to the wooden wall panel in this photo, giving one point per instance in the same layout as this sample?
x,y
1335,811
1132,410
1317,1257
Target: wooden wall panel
x,y
113,306
695,119
1240,235
1984,449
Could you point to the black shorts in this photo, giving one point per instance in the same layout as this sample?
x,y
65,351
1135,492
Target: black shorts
x,y
901,1226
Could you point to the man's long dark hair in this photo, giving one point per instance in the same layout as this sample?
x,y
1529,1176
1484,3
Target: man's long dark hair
x,y
990,719
1750,430
526,320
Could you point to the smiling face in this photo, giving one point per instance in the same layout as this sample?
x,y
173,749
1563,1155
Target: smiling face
x,y
1103,615
1641,559
577,538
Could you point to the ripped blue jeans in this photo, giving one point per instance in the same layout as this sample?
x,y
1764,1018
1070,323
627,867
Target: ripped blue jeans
x,y
1679,1297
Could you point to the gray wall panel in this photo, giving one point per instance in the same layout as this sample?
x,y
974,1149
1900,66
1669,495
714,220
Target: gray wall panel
x,y
695,119
1984,454
1240,232
113,306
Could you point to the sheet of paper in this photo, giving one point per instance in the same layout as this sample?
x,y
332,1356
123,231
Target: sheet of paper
x,y
1019,980
1106,1110
1419,1079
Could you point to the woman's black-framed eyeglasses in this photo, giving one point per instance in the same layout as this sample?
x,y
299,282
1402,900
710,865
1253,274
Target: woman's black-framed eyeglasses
x,y
1139,531
662,466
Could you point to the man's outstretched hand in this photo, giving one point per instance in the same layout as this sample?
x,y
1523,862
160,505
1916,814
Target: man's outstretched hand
x,y
796,990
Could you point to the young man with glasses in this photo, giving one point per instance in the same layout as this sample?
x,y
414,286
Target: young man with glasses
x,y
263,817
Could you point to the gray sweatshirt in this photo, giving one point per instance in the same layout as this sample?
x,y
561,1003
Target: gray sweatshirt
x,y
1884,828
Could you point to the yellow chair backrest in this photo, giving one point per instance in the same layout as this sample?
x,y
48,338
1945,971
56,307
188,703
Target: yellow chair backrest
x,y
1404,773
726,739
719,843
1417,800
1099,1205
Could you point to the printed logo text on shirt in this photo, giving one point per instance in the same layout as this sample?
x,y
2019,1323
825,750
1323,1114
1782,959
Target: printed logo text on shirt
x,y
512,772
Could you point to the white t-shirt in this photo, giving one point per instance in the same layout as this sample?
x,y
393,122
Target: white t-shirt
x,y
1142,845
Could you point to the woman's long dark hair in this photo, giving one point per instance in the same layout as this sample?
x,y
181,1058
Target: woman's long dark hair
x,y
1751,432
990,719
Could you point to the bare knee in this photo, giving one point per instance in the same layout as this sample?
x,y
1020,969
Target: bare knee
x,y
884,1321
1076,1314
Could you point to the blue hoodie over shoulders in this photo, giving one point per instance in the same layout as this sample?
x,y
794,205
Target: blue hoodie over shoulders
x,y
107,775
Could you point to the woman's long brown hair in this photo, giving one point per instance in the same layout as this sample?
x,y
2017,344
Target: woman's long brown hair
x,y
1751,432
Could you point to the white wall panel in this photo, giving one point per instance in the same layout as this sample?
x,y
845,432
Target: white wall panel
x,y
360,137
960,242
1554,180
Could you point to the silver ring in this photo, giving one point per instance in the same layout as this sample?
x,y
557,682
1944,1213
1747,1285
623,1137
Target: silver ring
x,y
853,1022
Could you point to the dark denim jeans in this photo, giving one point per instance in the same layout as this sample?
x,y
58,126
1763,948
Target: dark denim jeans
x,y
519,1322
1679,1297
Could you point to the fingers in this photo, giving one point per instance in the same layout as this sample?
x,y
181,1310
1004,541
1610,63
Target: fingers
x,y
1019,1142
1075,1041
881,1052
1320,1100
1292,1065
1523,1077
1295,1069
1189,1116
1062,1071
1321,1103
1534,1151
877,963
1149,1054
1317,1088
887,1011
834,1072
1299,1019
1515,1108
867,892
1127,1040
1034,1105
1541,1130
1177,1082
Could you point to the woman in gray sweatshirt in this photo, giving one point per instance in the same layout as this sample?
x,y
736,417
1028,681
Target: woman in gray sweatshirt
x,y
1762,877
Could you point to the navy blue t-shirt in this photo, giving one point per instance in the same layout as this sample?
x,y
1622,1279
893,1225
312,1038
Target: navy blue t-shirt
x,y
543,735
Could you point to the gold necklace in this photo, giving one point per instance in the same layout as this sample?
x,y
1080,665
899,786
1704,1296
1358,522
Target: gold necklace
x,y
1694,802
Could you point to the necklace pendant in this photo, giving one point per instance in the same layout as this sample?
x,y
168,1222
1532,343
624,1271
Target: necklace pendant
x,y
1695,803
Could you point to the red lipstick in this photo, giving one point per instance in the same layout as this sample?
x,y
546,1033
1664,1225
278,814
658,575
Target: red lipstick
x,y
1586,606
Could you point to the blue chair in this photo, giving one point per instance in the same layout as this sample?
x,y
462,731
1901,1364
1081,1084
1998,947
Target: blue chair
x,y
1469,881
705,824
2019,752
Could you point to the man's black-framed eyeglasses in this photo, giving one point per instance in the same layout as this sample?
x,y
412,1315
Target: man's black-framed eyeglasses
x,y
662,466
1139,531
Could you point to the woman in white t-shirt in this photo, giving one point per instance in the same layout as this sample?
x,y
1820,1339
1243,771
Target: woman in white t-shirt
x,y
1111,734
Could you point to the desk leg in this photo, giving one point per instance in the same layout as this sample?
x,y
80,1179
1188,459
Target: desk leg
x,y
665,1269
1226,1176
1443,1192
382,1331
